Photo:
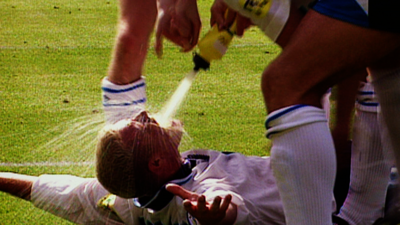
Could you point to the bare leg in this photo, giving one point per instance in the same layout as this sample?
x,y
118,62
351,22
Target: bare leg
x,y
315,56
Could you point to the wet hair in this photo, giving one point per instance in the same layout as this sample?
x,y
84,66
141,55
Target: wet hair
x,y
122,166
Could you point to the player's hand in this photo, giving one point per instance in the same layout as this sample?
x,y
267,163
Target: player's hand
x,y
224,17
197,206
179,21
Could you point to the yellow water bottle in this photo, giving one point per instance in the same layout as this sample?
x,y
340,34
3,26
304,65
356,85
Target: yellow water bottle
x,y
213,46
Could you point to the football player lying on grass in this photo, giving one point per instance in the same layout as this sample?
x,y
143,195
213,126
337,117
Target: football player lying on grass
x,y
142,179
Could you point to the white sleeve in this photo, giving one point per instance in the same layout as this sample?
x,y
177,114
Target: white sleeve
x,y
72,198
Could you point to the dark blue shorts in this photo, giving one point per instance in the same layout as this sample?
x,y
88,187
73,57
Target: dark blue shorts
x,y
382,14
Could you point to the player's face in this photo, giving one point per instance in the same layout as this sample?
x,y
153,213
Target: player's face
x,y
146,129
143,117
129,127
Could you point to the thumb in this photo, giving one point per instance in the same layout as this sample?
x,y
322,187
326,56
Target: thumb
x,y
181,192
158,46
242,23
230,18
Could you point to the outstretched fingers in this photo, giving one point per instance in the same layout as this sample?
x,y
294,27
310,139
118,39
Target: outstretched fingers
x,y
226,202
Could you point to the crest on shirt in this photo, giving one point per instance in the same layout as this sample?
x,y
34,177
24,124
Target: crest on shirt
x,y
107,203
258,8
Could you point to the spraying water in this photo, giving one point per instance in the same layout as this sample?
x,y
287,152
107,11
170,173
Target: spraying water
x,y
77,138
212,46
172,105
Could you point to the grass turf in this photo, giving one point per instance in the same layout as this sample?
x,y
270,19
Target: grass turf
x,y
52,58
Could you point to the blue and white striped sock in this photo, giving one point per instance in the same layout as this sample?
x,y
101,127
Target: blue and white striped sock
x,y
386,85
369,167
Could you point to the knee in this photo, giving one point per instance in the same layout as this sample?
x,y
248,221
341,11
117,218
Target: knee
x,y
284,85
276,87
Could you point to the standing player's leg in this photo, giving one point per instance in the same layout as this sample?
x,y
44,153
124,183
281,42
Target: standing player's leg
x,y
346,92
303,151
370,164
123,89
386,81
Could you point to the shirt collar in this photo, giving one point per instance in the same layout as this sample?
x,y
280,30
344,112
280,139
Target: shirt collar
x,y
163,197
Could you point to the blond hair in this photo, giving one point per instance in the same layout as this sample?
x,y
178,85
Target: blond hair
x,y
122,166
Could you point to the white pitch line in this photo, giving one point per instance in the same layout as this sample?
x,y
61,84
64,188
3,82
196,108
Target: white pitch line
x,y
5,164
108,47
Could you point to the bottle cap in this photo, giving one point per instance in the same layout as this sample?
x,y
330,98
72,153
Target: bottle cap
x,y
200,63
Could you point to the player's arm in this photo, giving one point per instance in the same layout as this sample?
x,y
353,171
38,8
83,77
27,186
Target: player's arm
x,y
59,194
136,23
72,198
219,212
18,185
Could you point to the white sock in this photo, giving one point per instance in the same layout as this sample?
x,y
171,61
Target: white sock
x,y
123,101
386,84
304,163
370,168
